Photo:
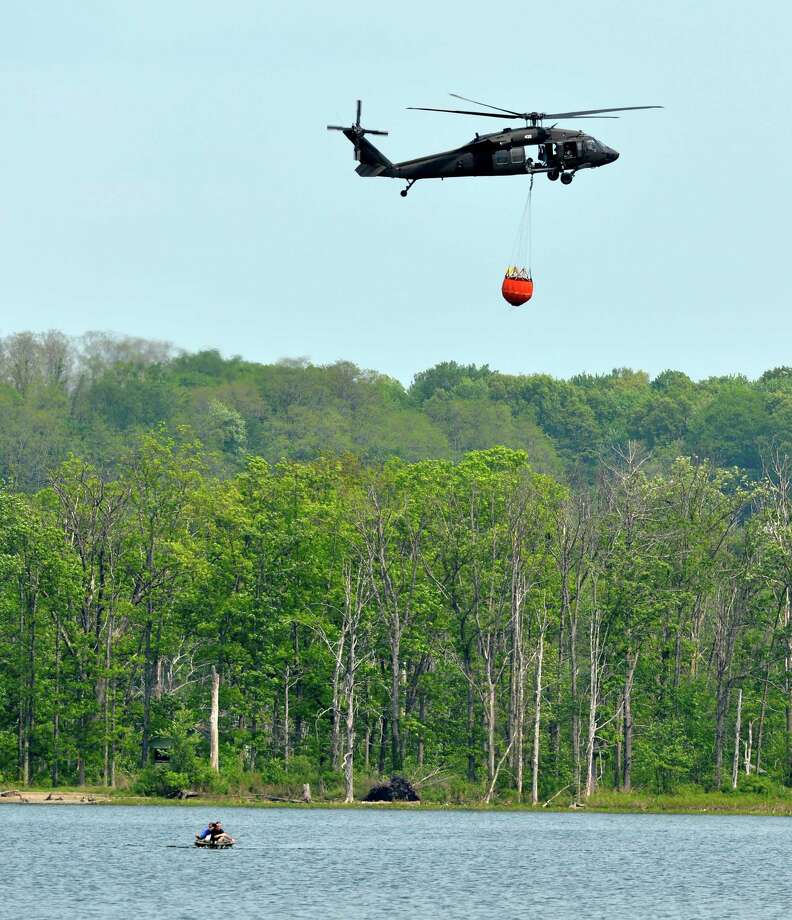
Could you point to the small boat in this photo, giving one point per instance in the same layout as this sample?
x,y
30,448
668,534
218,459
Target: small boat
x,y
223,842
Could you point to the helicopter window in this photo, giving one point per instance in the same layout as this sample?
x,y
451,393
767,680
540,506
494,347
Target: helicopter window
x,y
570,148
518,155
591,145
501,158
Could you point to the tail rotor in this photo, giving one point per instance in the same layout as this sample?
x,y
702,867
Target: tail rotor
x,y
355,132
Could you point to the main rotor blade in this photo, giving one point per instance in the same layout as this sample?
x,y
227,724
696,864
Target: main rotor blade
x,y
421,108
476,102
623,108
336,128
372,131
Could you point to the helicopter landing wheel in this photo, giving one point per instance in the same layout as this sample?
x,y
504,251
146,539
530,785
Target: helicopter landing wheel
x,y
553,174
567,177
403,193
410,184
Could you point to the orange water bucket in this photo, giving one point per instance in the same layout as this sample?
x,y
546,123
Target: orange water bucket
x,y
517,291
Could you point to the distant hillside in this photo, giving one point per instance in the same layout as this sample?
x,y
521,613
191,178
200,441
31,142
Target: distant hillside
x,y
89,395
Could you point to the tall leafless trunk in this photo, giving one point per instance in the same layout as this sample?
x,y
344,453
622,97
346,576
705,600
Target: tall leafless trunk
x,y
726,624
787,625
214,717
349,754
749,749
575,701
113,739
335,729
107,694
595,651
286,716
356,597
737,726
495,772
54,765
490,700
537,715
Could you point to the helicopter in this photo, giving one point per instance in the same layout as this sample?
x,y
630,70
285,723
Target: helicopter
x,y
560,153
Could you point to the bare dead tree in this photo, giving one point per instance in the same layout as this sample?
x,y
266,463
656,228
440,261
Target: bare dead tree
x,y
737,726
357,595
214,716
542,629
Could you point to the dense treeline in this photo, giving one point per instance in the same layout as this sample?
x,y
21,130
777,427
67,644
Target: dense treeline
x,y
467,615
88,396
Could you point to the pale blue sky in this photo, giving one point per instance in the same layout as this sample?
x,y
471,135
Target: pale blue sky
x,y
166,173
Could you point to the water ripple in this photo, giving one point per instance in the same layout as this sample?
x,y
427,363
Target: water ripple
x,y
105,863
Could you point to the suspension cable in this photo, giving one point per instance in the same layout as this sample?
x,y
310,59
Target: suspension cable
x,y
529,206
523,243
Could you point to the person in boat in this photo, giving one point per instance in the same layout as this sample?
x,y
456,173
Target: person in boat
x,y
217,831
206,833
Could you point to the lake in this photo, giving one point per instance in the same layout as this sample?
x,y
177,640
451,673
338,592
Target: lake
x,y
108,862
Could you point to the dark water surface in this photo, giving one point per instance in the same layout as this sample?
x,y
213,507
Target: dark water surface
x,y
59,862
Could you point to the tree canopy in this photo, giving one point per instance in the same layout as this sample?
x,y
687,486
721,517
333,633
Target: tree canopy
x,y
523,583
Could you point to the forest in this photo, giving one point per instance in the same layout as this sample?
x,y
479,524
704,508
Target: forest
x,y
515,584
88,396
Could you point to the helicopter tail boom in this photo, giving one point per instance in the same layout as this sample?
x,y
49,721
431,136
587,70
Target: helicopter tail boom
x,y
372,161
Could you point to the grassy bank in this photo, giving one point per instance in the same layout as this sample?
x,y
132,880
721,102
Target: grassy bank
x,y
607,802
692,803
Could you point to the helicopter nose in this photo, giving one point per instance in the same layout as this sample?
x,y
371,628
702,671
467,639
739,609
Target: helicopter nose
x,y
613,155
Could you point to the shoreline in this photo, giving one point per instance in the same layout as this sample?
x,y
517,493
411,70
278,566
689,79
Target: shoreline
x,y
605,803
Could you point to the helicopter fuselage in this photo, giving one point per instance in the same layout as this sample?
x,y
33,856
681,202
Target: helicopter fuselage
x,y
515,151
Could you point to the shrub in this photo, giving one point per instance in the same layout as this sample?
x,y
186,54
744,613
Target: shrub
x,y
757,785
159,780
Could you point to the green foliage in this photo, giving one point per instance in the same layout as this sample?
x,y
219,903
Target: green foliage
x,y
91,396
758,785
158,780
323,539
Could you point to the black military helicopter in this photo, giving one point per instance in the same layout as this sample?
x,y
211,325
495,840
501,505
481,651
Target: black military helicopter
x,y
560,153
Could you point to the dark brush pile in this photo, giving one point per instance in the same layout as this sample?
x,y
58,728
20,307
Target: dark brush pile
x,y
397,789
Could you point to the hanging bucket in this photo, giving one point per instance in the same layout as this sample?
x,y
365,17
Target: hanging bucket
x,y
517,287
517,291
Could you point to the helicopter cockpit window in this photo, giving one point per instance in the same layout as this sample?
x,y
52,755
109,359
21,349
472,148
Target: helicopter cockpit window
x,y
501,158
591,145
